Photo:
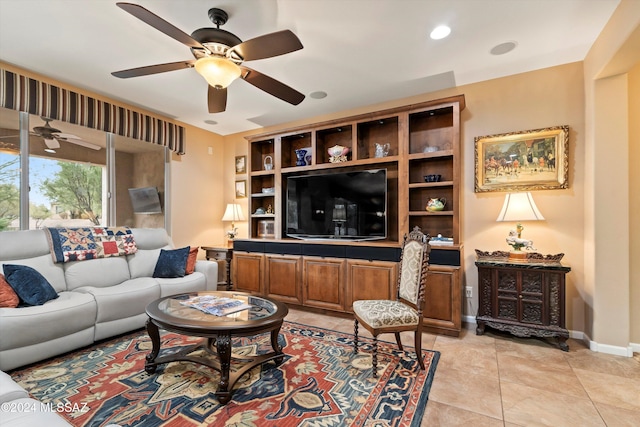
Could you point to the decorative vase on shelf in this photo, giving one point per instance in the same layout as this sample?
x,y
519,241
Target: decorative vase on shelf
x,y
338,153
436,204
301,154
382,150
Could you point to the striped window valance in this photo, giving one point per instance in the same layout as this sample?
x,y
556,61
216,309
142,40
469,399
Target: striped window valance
x,y
26,94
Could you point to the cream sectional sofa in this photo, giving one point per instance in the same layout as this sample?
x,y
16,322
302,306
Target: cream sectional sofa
x,y
97,298
18,409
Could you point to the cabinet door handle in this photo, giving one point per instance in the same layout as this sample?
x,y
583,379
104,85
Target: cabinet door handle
x,y
520,296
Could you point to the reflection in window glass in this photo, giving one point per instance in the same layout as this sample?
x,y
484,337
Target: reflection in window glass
x,y
139,165
9,191
9,170
64,193
68,176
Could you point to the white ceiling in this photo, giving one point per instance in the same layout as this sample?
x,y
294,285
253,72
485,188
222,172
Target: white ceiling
x,y
360,52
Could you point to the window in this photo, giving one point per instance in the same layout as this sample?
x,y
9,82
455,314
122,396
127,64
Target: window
x,y
72,172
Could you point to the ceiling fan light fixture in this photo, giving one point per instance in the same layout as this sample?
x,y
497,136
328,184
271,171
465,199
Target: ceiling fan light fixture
x,y
218,72
440,32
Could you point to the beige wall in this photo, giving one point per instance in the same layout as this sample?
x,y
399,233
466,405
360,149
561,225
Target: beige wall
x,y
608,129
198,196
634,201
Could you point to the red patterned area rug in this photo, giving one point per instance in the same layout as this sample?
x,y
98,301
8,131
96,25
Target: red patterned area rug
x,y
320,383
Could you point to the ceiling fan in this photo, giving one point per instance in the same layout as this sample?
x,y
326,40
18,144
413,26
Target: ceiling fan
x,y
219,55
53,136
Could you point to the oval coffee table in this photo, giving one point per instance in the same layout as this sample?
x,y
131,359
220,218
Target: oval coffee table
x,y
169,313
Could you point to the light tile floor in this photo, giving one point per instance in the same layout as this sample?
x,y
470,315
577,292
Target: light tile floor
x,y
500,380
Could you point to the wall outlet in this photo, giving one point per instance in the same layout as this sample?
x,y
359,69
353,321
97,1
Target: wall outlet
x,y
469,291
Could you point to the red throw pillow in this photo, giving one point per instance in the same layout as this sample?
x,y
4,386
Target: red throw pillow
x,y
191,260
8,297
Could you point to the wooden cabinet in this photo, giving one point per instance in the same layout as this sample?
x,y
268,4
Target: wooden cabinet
x,y
370,280
525,299
443,300
323,285
248,271
282,277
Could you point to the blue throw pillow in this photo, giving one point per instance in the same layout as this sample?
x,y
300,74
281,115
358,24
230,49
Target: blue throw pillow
x,y
31,286
172,263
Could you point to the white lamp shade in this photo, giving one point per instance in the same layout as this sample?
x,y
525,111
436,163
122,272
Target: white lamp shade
x,y
233,213
218,72
519,207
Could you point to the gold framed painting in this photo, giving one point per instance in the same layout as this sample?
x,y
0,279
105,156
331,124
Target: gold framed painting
x,y
523,161
241,164
241,189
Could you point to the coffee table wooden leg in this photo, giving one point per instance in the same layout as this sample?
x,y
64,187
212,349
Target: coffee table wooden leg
x,y
223,347
154,334
276,345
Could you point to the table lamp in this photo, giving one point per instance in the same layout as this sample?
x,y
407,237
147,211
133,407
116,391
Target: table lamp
x,y
233,213
519,207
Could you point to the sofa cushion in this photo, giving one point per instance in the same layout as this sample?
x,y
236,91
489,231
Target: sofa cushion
x,y
127,299
71,312
191,260
43,264
8,297
33,414
9,389
172,263
100,273
31,286
190,283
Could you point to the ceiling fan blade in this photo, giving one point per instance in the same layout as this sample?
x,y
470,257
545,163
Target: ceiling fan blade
x,y
268,46
217,99
83,143
160,24
153,69
52,143
272,86
65,135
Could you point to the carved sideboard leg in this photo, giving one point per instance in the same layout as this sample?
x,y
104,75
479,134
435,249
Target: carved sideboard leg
x,y
480,328
562,342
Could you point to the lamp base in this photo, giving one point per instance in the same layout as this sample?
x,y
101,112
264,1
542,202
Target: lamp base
x,y
518,256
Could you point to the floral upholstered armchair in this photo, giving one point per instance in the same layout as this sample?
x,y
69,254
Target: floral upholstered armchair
x,y
405,312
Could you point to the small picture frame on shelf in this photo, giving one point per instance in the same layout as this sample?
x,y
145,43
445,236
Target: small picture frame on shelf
x,y
523,161
241,189
241,164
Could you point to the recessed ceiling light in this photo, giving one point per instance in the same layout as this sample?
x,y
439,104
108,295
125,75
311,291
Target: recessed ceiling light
x,y
440,32
503,48
49,150
318,95
211,122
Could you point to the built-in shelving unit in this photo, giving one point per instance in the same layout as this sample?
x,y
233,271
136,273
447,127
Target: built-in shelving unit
x,y
418,140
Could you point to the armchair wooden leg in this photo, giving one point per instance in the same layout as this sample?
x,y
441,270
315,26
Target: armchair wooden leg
x,y
355,336
397,334
418,347
375,356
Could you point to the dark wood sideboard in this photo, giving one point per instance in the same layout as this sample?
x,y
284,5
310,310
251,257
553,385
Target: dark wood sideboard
x,y
525,299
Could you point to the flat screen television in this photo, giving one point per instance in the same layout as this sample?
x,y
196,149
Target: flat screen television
x,y
145,200
344,205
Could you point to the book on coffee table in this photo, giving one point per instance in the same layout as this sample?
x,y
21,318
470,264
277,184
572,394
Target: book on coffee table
x,y
218,306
